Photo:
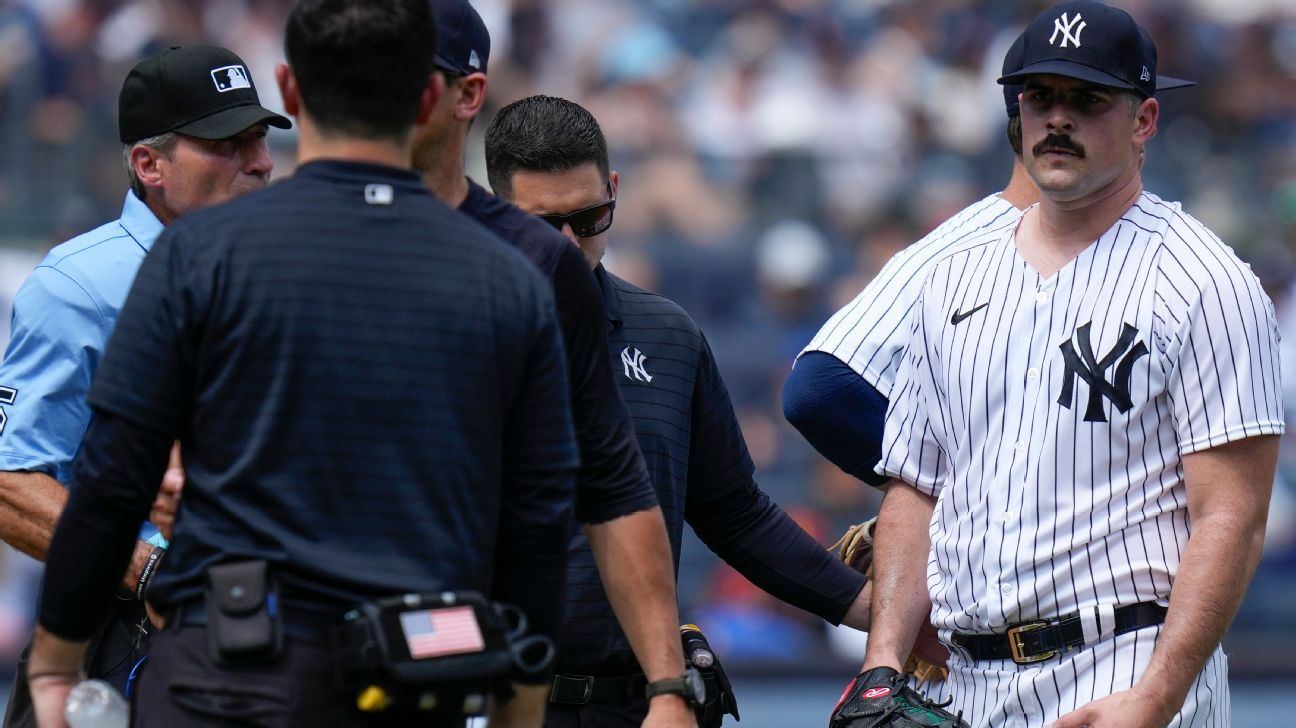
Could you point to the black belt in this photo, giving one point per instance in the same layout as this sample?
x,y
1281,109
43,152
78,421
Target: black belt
x,y
583,689
1039,640
301,624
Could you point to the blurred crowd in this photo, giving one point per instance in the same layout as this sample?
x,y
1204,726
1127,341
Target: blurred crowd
x,y
773,154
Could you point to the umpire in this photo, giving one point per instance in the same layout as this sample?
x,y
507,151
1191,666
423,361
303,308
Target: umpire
x,y
370,395
191,138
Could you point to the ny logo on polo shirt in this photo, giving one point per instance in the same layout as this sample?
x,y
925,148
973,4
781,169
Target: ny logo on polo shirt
x,y
8,395
634,365
1066,26
230,78
1089,368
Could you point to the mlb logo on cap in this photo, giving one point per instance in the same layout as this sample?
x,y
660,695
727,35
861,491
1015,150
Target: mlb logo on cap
x,y
229,78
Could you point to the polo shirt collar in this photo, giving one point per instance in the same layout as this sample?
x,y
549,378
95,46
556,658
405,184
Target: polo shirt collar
x,y
611,299
139,222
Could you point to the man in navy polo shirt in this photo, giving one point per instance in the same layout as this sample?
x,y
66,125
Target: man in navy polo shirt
x,y
549,157
370,394
193,134
615,502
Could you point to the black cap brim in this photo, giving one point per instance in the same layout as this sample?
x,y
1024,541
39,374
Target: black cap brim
x,y
1071,69
232,121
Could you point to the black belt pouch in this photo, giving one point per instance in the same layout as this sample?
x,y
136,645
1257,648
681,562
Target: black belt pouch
x,y
243,620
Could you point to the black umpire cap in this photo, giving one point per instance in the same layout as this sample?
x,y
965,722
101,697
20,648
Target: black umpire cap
x,y
1092,42
199,91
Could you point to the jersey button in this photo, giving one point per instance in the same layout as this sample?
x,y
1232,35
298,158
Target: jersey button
x,y
1032,374
1006,589
1041,297
1020,447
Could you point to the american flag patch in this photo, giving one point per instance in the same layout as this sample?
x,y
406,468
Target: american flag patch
x,y
437,632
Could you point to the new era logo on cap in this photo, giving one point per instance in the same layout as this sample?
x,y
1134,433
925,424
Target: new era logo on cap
x,y
229,78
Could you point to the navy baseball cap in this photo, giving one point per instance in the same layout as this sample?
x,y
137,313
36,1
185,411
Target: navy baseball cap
x,y
1011,91
1092,42
462,43
199,91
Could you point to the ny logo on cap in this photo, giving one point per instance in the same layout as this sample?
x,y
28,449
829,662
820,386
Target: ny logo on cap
x,y
473,60
230,78
1069,28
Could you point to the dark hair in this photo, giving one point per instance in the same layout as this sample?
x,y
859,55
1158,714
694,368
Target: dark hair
x,y
541,134
361,65
1014,132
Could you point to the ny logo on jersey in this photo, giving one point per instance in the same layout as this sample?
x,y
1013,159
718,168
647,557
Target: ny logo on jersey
x,y
1070,28
1090,369
634,365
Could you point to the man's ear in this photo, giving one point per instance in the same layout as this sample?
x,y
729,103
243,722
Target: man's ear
x,y
287,84
146,163
1145,121
614,180
472,96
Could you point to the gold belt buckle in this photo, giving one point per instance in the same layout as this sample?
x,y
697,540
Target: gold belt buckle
x,y
1019,655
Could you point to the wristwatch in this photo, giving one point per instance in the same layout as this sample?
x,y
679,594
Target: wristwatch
x,y
688,686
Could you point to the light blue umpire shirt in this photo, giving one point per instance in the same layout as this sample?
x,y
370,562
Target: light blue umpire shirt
x,y
62,318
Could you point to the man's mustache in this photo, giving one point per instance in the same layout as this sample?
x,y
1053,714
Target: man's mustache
x,y
1058,141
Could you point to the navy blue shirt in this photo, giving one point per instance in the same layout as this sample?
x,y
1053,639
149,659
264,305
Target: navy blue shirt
x,y
703,474
613,480
370,391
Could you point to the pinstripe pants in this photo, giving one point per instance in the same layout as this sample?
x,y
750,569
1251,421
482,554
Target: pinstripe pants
x,y
1001,693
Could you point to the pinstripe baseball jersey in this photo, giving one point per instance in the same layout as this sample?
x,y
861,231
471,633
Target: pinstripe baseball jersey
x,y
1049,418
870,333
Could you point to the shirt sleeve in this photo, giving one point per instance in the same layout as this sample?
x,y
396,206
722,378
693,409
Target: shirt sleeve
x,y
1224,384
147,372
838,412
613,479
95,536
739,522
540,459
57,338
911,451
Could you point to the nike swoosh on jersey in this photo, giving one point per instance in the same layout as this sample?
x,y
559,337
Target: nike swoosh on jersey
x,y
958,316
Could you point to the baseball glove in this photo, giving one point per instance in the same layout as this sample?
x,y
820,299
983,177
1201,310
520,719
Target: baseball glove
x,y
855,549
882,698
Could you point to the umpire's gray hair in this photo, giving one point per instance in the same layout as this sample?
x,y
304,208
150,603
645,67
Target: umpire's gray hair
x,y
163,143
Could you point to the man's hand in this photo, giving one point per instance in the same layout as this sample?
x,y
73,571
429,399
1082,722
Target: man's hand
x,y
49,694
1133,708
669,711
168,498
53,669
928,646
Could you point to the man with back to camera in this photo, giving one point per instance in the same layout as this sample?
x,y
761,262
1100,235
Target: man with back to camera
x,y
203,145
837,393
549,157
615,500
1132,389
370,395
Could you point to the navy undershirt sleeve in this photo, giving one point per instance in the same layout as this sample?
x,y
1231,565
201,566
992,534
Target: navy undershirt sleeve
x,y
110,497
739,522
838,412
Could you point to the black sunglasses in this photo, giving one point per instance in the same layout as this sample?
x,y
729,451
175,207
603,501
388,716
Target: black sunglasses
x,y
586,222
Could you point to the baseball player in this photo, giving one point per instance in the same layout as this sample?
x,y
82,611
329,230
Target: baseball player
x,y
1078,388
837,392
192,138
